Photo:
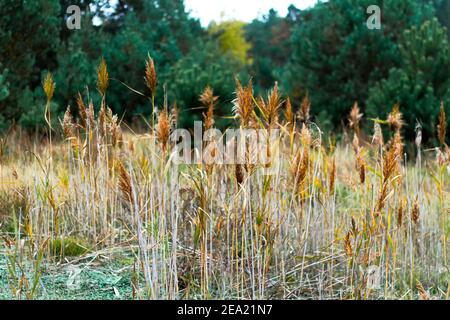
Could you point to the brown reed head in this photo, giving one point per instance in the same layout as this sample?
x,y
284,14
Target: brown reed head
x,y
115,131
305,108
355,118
273,105
305,136
243,104
163,129
390,163
174,115
332,177
208,100
82,111
68,126
91,116
102,120
289,114
348,245
400,212
398,145
415,212
442,126
151,80
395,118
125,186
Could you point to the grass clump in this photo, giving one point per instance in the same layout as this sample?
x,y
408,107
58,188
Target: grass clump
x,y
69,247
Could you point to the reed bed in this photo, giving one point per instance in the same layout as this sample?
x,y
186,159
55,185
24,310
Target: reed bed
x,y
356,219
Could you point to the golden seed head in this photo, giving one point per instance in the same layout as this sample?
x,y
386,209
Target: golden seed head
x,y
348,245
102,77
289,114
305,136
395,118
49,86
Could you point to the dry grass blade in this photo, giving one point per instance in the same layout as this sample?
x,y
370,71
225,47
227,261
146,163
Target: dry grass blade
x,y
415,212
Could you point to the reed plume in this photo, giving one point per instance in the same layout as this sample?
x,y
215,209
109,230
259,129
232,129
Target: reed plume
x,y
270,109
289,114
102,77
150,78
125,186
163,129
395,119
82,111
348,245
442,126
208,100
243,104
305,109
174,114
49,86
355,118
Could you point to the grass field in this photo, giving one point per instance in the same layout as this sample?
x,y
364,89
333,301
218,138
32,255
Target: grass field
x,y
97,212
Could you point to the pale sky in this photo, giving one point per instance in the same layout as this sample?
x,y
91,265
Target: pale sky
x,y
244,10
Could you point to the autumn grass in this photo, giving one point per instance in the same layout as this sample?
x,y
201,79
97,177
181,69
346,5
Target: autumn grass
x,y
352,220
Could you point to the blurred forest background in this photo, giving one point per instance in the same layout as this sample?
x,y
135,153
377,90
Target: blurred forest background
x,y
326,52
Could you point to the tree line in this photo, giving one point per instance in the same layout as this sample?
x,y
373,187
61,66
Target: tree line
x,y
326,53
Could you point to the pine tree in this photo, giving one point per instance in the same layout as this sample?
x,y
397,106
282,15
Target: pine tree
x,y
420,83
